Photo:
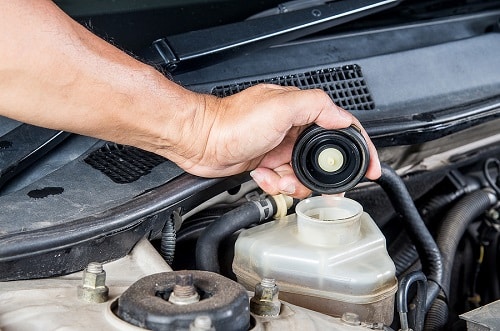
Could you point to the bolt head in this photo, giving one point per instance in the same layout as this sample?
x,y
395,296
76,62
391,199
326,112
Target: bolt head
x,y
265,301
94,280
93,288
264,293
184,279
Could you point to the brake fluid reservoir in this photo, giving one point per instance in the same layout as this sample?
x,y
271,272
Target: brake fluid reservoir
x,y
329,257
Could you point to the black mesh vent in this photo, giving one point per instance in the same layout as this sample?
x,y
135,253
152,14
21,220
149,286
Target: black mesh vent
x,y
345,85
123,164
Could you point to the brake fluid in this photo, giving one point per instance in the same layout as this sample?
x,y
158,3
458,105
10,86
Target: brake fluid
x,y
329,257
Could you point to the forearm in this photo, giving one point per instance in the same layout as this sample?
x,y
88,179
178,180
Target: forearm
x,y
55,73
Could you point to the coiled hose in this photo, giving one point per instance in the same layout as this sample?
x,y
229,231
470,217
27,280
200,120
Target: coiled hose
x,y
427,248
465,211
168,241
207,246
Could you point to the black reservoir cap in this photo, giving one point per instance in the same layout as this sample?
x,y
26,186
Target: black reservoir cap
x,y
330,161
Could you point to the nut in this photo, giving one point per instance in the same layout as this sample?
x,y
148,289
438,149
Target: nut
x,y
265,301
94,287
184,292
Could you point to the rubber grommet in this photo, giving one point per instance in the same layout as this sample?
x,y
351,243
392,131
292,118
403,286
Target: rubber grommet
x,y
348,142
145,303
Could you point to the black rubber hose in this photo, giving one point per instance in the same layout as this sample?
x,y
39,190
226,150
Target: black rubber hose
x,y
403,254
207,246
437,316
168,241
454,225
437,203
427,248
492,261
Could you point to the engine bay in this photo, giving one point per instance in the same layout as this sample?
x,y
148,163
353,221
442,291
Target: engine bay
x,y
97,235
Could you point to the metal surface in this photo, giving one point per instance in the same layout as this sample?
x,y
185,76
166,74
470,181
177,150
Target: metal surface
x,y
94,287
184,292
485,318
265,300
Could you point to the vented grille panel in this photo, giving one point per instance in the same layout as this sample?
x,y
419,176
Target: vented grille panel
x,y
123,164
345,85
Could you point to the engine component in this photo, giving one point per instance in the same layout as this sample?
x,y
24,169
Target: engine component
x,y
167,243
184,292
466,210
265,300
38,305
207,246
146,303
94,287
51,303
425,244
329,257
402,301
484,318
330,161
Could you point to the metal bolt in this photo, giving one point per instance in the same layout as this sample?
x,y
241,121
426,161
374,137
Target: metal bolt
x,y
493,214
184,292
202,323
268,282
265,301
94,267
93,288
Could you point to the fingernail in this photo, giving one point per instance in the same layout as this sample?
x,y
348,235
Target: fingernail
x,y
257,177
288,189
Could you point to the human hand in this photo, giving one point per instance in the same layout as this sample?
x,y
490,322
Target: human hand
x,y
256,130
61,80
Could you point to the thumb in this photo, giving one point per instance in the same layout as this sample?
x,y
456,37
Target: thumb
x,y
315,106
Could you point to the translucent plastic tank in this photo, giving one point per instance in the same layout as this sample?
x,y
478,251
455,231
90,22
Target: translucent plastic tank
x,y
330,257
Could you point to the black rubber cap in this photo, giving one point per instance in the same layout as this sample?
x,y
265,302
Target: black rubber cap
x,y
349,144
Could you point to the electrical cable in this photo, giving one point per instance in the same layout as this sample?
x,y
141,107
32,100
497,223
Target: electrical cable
x,y
492,182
